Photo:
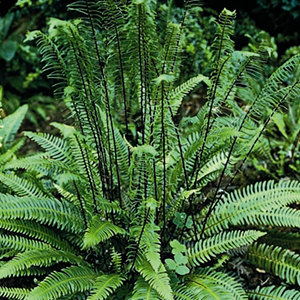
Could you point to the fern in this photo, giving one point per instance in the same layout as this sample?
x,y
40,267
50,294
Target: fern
x,y
273,292
210,247
127,203
69,280
159,280
142,290
11,124
105,285
100,231
39,258
230,284
282,262
14,293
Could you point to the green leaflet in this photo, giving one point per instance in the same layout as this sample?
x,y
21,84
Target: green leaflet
x,y
99,231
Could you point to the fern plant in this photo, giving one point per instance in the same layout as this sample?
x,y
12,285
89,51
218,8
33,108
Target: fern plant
x,y
110,214
9,144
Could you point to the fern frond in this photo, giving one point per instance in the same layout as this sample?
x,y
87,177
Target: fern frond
x,y
14,293
215,163
272,92
288,240
39,258
69,280
282,216
11,124
47,211
55,146
205,249
223,44
158,280
21,186
116,259
185,293
282,262
36,231
274,293
20,243
176,95
99,231
229,283
105,285
9,153
148,242
42,163
143,291
241,206
207,289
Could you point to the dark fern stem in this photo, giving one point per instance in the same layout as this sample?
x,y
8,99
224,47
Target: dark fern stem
x,y
141,70
96,129
140,238
88,171
164,161
122,80
110,125
81,204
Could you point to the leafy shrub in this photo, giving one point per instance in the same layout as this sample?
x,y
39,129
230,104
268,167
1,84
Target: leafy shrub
x,y
106,214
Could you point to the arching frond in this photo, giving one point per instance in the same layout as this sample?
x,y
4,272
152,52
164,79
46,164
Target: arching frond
x,y
105,285
229,283
20,243
241,206
11,124
45,210
207,289
282,216
143,291
55,146
185,293
9,153
282,262
273,292
14,293
205,249
157,280
21,186
39,258
99,231
36,231
69,280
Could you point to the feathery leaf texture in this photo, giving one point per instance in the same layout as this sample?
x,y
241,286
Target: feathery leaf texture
x,y
69,280
93,215
11,124
273,293
282,262
41,257
14,293
104,285
99,231
159,281
220,243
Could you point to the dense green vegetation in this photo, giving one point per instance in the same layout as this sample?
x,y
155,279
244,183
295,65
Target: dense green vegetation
x,y
133,201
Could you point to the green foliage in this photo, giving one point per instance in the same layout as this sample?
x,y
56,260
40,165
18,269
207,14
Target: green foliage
x,y
273,292
21,79
103,213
